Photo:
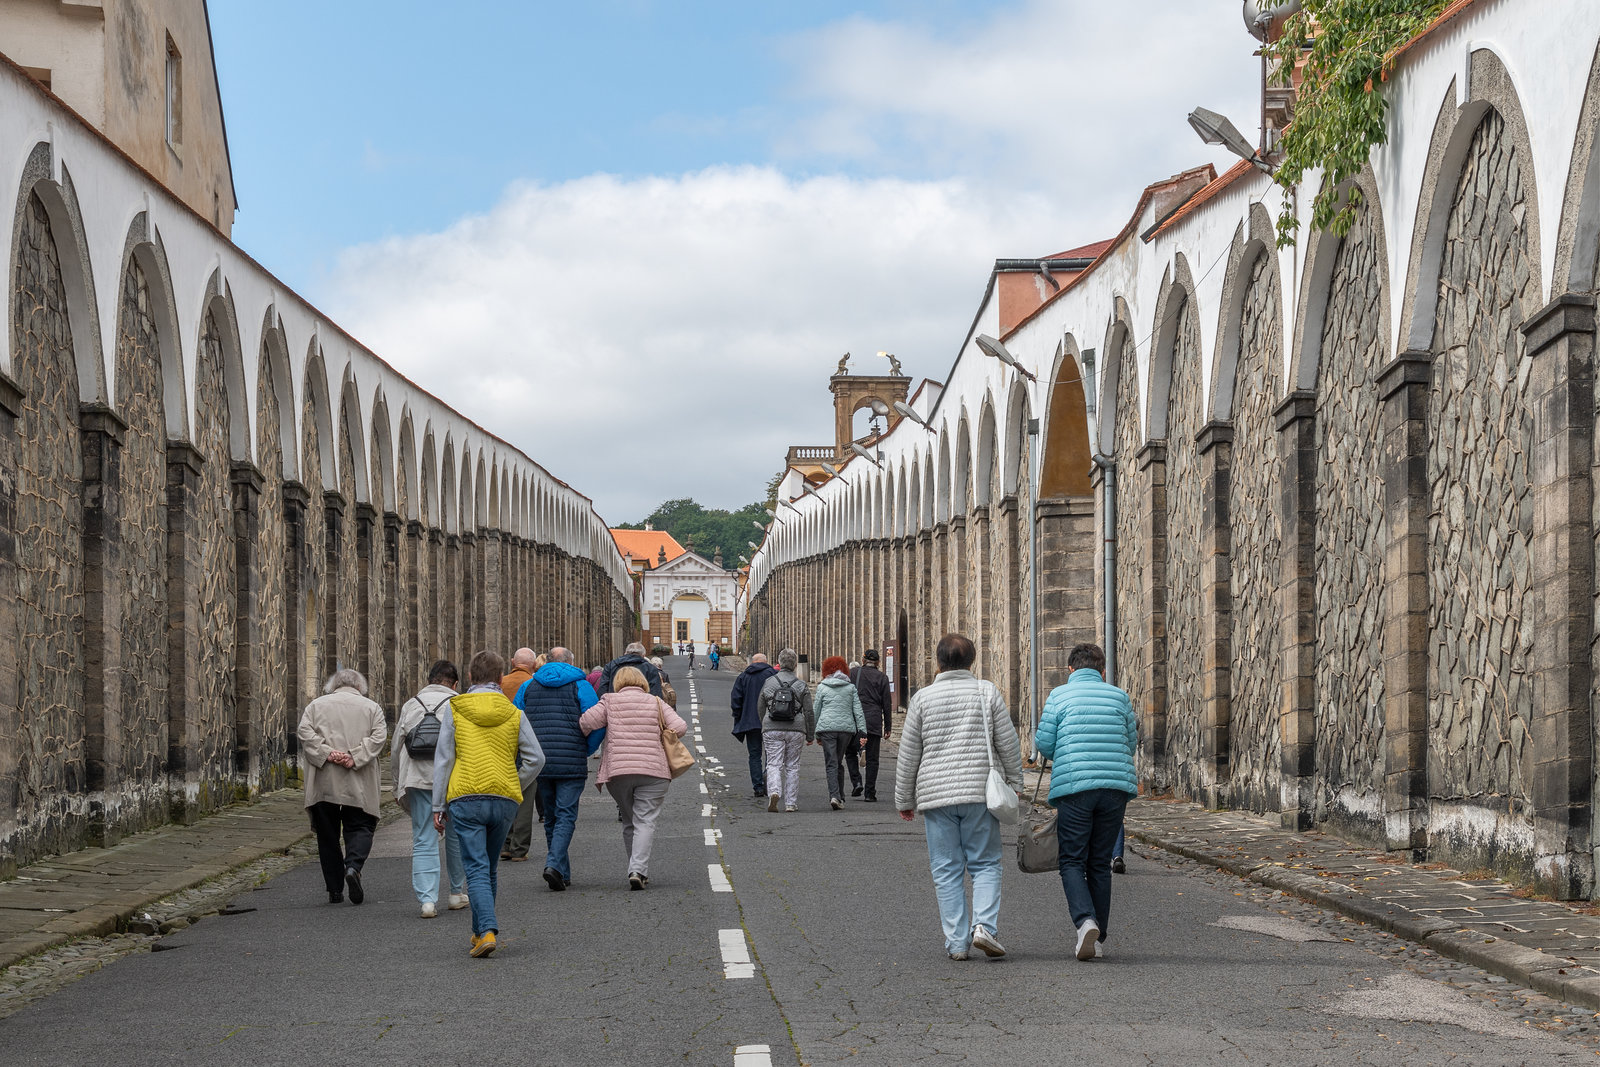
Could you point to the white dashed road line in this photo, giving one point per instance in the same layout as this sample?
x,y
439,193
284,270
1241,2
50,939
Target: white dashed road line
x,y
706,810
712,835
735,955
752,1056
703,788
719,878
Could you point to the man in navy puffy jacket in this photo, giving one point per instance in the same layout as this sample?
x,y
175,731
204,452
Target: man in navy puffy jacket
x,y
747,717
1089,734
553,699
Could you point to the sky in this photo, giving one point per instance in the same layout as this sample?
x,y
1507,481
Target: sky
x,y
633,237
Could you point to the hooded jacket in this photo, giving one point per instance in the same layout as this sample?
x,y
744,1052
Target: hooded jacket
x,y
632,720
553,699
631,659
1089,734
838,706
746,697
495,753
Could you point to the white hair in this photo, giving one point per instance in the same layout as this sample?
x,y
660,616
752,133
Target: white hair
x,y
789,659
346,678
634,648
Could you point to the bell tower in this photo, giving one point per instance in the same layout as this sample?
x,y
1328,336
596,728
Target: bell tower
x,y
852,392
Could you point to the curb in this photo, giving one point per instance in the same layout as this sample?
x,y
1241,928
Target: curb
x,y
1551,975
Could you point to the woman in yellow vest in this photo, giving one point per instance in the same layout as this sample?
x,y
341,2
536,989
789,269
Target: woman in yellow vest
x,y
486,756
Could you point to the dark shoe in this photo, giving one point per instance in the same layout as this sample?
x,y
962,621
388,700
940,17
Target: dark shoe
x,y
857,791
520,859
835,803
1118,867
761,794
870,798
553,879
352,881
635,881
505,855
335,898
566,883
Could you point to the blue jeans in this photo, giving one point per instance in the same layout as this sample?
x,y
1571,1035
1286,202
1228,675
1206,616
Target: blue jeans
x,y
758,760
425,850
1088,825
964,839
482,823
559,797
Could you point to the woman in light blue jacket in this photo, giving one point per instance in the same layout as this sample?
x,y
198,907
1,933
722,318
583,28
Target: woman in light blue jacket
x,y
1089,734
841,723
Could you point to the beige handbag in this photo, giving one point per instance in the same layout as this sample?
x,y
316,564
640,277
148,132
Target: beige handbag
x,y
679,758
1037,845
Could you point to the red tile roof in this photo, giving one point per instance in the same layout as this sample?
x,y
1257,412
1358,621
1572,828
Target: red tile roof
x,y
646,545
1210,192
1090,251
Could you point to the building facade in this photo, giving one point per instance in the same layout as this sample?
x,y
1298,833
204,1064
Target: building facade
x,y
1328,507
690,599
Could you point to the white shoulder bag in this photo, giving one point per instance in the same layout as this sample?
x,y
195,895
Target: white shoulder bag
x,y
1001,799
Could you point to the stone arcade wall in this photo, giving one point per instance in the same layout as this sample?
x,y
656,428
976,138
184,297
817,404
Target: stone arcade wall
x,y
210,498
1356,553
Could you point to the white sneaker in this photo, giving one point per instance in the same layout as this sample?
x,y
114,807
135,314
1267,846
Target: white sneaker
x,y
1088,938
984,942
458,901
1099,950
791,807
960,957
428,910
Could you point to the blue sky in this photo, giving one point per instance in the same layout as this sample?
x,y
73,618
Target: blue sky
x,y
612,225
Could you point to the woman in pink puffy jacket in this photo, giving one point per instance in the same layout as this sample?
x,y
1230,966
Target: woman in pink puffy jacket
x,y
633,765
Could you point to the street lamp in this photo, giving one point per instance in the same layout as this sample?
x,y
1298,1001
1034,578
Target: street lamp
x,y
753,545
759,525
864,454
906,410
992,347
834,473
1216,129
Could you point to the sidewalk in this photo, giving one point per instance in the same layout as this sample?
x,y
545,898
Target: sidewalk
x,y
96,891
1551,947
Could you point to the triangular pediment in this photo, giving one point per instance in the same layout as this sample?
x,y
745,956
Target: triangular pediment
x,y
690,563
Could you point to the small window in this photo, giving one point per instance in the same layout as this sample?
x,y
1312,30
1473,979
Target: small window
x,y
174,94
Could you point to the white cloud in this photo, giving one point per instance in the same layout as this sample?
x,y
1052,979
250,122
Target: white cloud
x,y
664,337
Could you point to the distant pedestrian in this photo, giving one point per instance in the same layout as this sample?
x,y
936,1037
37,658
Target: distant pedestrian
x,y
520,839
690,647
632,656
341,735
669,694
715,656
1089,733
746,702
633,764
788,725
554,699
955,730
416,738
593,678
876,703
486,756
841,726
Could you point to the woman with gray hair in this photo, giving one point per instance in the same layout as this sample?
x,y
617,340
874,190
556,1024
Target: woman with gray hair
x,y
341,734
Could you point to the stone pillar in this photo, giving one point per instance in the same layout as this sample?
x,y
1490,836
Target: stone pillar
x,y
960,600
1403,388
101,435
1214,445
982,577
10,595
1152,459
433,621
358,657
1010,607
943,620
926,602
413,605
1296,598
450,642
395,648
491,605
184,465
1067,544
1560,344
295,503
333,505
249,687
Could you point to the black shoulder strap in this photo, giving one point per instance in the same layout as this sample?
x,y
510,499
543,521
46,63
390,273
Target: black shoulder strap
x,y
434,711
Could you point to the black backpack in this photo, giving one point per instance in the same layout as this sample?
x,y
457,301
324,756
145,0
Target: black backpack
x,y
784,703
423,739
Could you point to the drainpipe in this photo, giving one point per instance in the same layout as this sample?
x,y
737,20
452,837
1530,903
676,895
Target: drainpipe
x,y
1033,577
1108,541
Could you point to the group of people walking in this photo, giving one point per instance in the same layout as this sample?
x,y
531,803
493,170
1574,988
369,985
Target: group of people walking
x,y
467,765
957,735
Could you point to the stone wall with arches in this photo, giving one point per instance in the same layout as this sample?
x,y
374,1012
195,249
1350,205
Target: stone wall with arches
x,y
211,498
1342,526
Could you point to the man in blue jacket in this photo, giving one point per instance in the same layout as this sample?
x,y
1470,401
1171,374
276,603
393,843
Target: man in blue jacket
x,y
1089,733
552,700
747,717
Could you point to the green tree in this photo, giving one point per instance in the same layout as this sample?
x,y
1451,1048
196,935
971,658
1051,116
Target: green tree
x,y
709,528
1339,107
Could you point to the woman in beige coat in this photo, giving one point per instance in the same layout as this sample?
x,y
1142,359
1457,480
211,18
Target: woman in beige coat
x,y
341,735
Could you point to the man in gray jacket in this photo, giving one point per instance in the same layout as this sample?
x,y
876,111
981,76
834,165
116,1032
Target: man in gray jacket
x,y
788,724
954,731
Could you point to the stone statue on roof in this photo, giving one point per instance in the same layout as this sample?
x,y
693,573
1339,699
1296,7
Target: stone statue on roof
x,y
894,365
844,364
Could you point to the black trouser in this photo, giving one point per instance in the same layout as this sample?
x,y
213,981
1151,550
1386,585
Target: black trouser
x,y
854,767
327,821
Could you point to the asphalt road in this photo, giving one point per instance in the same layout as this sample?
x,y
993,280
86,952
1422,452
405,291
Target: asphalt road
x,y
846,963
